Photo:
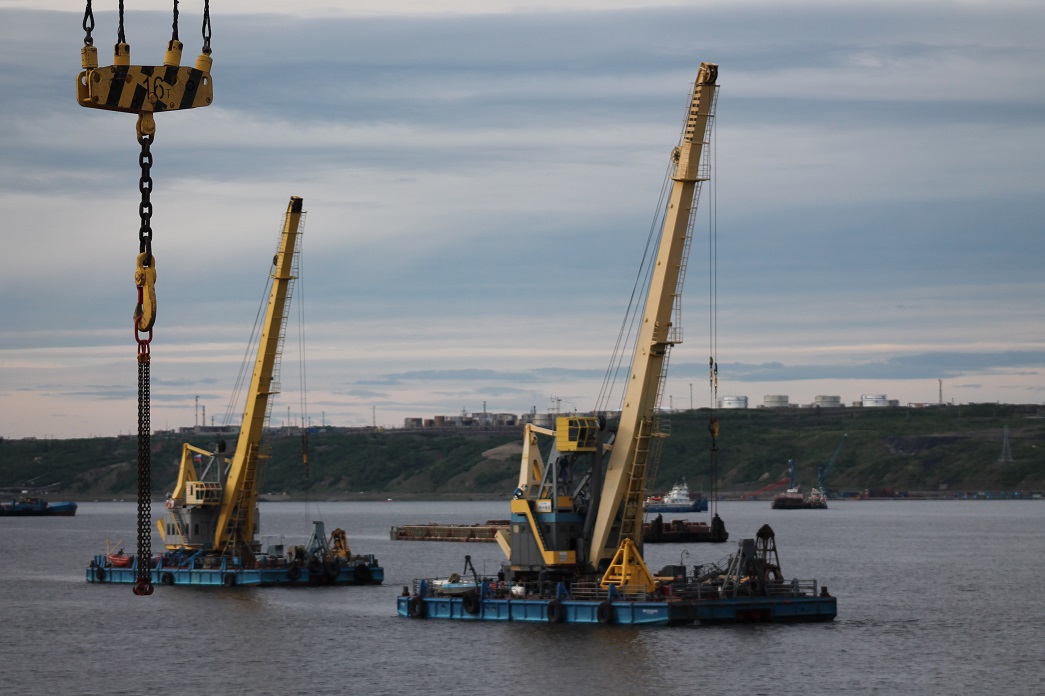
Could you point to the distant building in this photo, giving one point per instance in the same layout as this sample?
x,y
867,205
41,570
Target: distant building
x,y
775,401
732,402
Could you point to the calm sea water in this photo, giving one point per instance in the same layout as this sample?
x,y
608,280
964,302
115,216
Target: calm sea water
x,y
933,598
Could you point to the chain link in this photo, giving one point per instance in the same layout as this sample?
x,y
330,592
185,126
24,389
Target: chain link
x,y
145,186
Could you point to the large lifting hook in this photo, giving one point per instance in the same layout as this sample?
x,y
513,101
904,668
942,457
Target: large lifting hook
x,y
144,90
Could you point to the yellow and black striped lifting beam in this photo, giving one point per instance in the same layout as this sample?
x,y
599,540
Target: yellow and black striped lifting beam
x,y
140,89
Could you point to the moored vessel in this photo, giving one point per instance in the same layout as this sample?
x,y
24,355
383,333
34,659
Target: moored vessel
x,y
210,530
659,531
318,562
749,587
573,546
36,507
678,499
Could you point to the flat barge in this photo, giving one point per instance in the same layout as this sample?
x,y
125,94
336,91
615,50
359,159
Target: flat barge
x,y
749,589
486,531
684,532
656,531
691,604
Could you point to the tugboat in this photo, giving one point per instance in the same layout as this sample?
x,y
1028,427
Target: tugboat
x,y
793,499
210,528
678,499
574,544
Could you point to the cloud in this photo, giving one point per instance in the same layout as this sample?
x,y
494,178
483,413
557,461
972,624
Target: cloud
x,y
938,365
480,182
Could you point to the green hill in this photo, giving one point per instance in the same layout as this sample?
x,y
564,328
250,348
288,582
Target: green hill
x,y
949,449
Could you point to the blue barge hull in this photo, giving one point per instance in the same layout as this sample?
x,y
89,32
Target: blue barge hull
x,y
365,572
735,610
37,507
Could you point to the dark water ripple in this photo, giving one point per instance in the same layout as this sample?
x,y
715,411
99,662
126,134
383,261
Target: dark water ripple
x,y
934,598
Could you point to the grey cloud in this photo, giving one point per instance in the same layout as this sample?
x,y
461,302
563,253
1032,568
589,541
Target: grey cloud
x,y
934,365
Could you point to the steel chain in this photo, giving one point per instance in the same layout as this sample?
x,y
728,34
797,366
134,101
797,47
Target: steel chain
x,y
143,579
145,207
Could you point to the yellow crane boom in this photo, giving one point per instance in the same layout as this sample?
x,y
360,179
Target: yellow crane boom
x,y
216,513
239,502
625,476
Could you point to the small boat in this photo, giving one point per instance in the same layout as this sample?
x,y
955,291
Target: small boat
x,y
455,585
120,560
36,507
678,499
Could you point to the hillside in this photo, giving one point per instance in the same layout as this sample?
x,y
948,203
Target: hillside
x,y
949,449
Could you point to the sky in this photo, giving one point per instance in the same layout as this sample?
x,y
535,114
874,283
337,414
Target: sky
x,y
480,180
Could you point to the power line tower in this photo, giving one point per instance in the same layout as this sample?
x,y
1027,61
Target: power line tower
x,y
1006,453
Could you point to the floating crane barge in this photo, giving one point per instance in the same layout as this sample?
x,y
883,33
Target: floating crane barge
x,y
748,588
211,523
574,540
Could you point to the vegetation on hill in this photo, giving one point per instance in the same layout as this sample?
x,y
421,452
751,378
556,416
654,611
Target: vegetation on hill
x,y
949,449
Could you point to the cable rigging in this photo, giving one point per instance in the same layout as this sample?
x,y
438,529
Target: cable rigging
x,y
144,90
713,425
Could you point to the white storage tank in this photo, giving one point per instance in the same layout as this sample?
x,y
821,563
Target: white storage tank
x,y
775,401
873,400
732,402
823,401
544,420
